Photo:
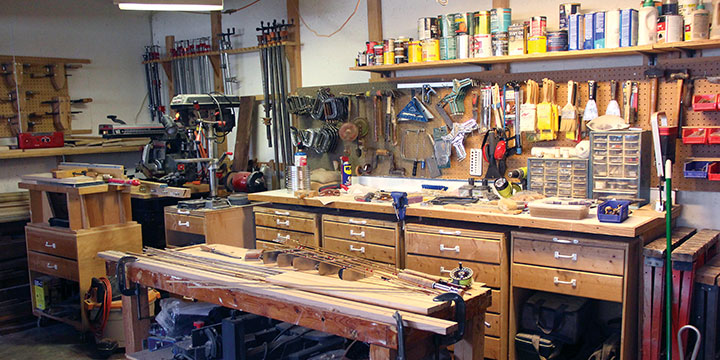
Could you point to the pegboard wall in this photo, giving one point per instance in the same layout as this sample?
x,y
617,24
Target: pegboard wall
x,y
33,88
667,102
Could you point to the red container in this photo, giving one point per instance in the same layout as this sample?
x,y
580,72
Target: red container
x,y
41,140
707,102
713,135
714,171
692,135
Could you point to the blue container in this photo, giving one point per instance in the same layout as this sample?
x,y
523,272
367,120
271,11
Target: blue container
x,y
576,31
613,218
599,35
589,36
696,169
628,27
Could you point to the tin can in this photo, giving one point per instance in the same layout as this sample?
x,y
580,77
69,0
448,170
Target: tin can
x,y
599,31
430,50
447,24
670,29
346,172
566,10
482,45
427,28
628,27
300,159
463,46
378,50
538,26
370,58
448,48
361,59
369,45
517,34
482,22
461,24
388,48
500,43
414,52
500,20
557,41
576,31
537,45
589,36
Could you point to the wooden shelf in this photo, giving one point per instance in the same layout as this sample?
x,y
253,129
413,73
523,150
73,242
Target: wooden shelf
x,y
78,150
43,60
560,55
211,53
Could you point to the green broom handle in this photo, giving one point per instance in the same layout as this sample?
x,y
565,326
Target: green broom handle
x,y
668,259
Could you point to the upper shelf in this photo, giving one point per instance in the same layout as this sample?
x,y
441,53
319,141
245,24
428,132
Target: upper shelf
x,y
559,55
67,150
211,53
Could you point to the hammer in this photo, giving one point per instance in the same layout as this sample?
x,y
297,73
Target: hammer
x,y
680,76
653,74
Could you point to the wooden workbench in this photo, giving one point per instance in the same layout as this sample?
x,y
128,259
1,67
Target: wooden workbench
x,y
334,314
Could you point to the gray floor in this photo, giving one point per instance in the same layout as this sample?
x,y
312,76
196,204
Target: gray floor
x,y
55,341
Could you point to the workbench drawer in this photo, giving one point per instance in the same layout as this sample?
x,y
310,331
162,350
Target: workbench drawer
x,y
51,242
277,235
53,265
455,247
285,222
265,245
283,212
492,348
576,283
185,223
364,233
364,250
360,221
496,302
494,321
484,273
454,231
569,256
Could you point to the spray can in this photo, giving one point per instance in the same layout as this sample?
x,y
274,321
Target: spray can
x,y
612,29
697,25
346,172
589,36
670,29
576,31
715,29
566,10
647,23
599,34
628,27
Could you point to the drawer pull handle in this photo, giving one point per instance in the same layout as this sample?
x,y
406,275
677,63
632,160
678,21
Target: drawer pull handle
x,y
455,249
184,212
281,238
285,223
47,244
563,241
572,257
360,249
442,270
487,325
52,266
572,282
284,213
360,234
445,232
357,222
184,223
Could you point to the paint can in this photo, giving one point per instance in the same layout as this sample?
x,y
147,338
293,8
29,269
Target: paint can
x,y
557,41
361,59
500,20
427,28
538,26
500,43
612,29
378,50
482,45
445,23
670,29
388,51
430,50
517,35
463,46
576,31
628,27
414,52
482,22
460,24
537,45
589,36
599,31
370,53
566,10
448,48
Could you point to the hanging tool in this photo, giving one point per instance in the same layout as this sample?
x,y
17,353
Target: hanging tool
x,y
271,122
516,125
419,137
547,113
226,44
591,110
377,104
389,118
427,93
630,102
497,107
13,73
680,76
613,108
266,95
528,110
414,111
664,148
653,74
486,95
455,100
569,115
475,105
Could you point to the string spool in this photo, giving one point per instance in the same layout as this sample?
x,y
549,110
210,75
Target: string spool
x,y
462,275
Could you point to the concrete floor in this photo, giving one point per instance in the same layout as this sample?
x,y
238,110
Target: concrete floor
x,y
54,341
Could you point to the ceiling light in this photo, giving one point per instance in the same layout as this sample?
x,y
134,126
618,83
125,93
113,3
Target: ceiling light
x,y
170,5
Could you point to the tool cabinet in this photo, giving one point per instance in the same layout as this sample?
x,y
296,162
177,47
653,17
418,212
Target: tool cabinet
x,y
230,226
436,248
274,224
373,237
621,164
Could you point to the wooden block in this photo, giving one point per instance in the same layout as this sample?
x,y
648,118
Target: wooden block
x,y
68,173
656,248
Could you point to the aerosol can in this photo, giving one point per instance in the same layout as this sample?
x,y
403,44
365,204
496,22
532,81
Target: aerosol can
x,y
647,19
715,30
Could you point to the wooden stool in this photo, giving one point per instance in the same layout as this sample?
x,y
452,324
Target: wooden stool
x,y
705,307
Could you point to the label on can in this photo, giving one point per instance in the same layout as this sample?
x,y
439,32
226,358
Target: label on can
x,y
427,28
388,48
557,41
670,29
482,22
516,39
500,20
431,50
448,48
599,35
628,27
566,10
460,24
300,159
588,37
500,43
576,32
538,26
346,172
537,44
361,59
463,46
482,45
698,27
415,52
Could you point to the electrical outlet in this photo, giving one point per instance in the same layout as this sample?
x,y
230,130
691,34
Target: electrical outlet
x,y
476,162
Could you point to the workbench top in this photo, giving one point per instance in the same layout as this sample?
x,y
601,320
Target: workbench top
x,y
640,222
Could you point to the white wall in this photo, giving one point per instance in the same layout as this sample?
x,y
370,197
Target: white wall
x,y
90,29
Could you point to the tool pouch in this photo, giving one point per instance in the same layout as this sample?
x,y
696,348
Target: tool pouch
x,y
536,347
555,316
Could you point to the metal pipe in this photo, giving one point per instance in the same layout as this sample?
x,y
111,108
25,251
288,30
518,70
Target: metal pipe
x,y
271,85
280,49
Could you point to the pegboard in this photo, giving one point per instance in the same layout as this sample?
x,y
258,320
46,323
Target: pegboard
x,y
666,102
32,91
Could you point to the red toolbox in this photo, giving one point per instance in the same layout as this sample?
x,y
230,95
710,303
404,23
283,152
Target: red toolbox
x,y
41,140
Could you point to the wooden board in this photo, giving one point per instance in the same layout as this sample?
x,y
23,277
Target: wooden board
x,y
79,150
656,248
696,246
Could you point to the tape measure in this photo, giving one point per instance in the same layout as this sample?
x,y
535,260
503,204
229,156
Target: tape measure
x,y
461,275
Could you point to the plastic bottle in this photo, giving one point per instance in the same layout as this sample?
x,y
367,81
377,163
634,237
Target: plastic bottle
x,y
715,31
669,7
697,25
686,8
647,27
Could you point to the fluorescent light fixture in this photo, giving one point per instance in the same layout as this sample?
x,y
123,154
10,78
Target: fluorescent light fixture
x,y
170,5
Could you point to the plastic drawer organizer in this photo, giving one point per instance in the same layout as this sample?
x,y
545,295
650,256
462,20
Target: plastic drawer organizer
x,y
566,178
620,164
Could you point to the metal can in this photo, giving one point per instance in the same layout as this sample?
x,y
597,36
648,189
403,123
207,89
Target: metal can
x,y
566,10
517,33
448,48
500,43
481,45
446,24
557,41
378,50
460,24
427,28
361,59
414,52
430,50
537,45
463,46
482,22
576,32
346,172
500,20
369,45
388,47
670,29
538,26
300,159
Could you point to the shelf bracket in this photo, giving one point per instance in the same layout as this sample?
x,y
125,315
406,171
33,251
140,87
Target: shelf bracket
x,y
651,59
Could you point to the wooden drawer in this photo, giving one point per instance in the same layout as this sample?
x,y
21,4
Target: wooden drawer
x,y
283,212
360,221
484,273
285,222
452,231
364,233
374,252
569,256
265,245
492,348
494,321
496,301
268,234
576,283
185,223
53,265
51,242
455,247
